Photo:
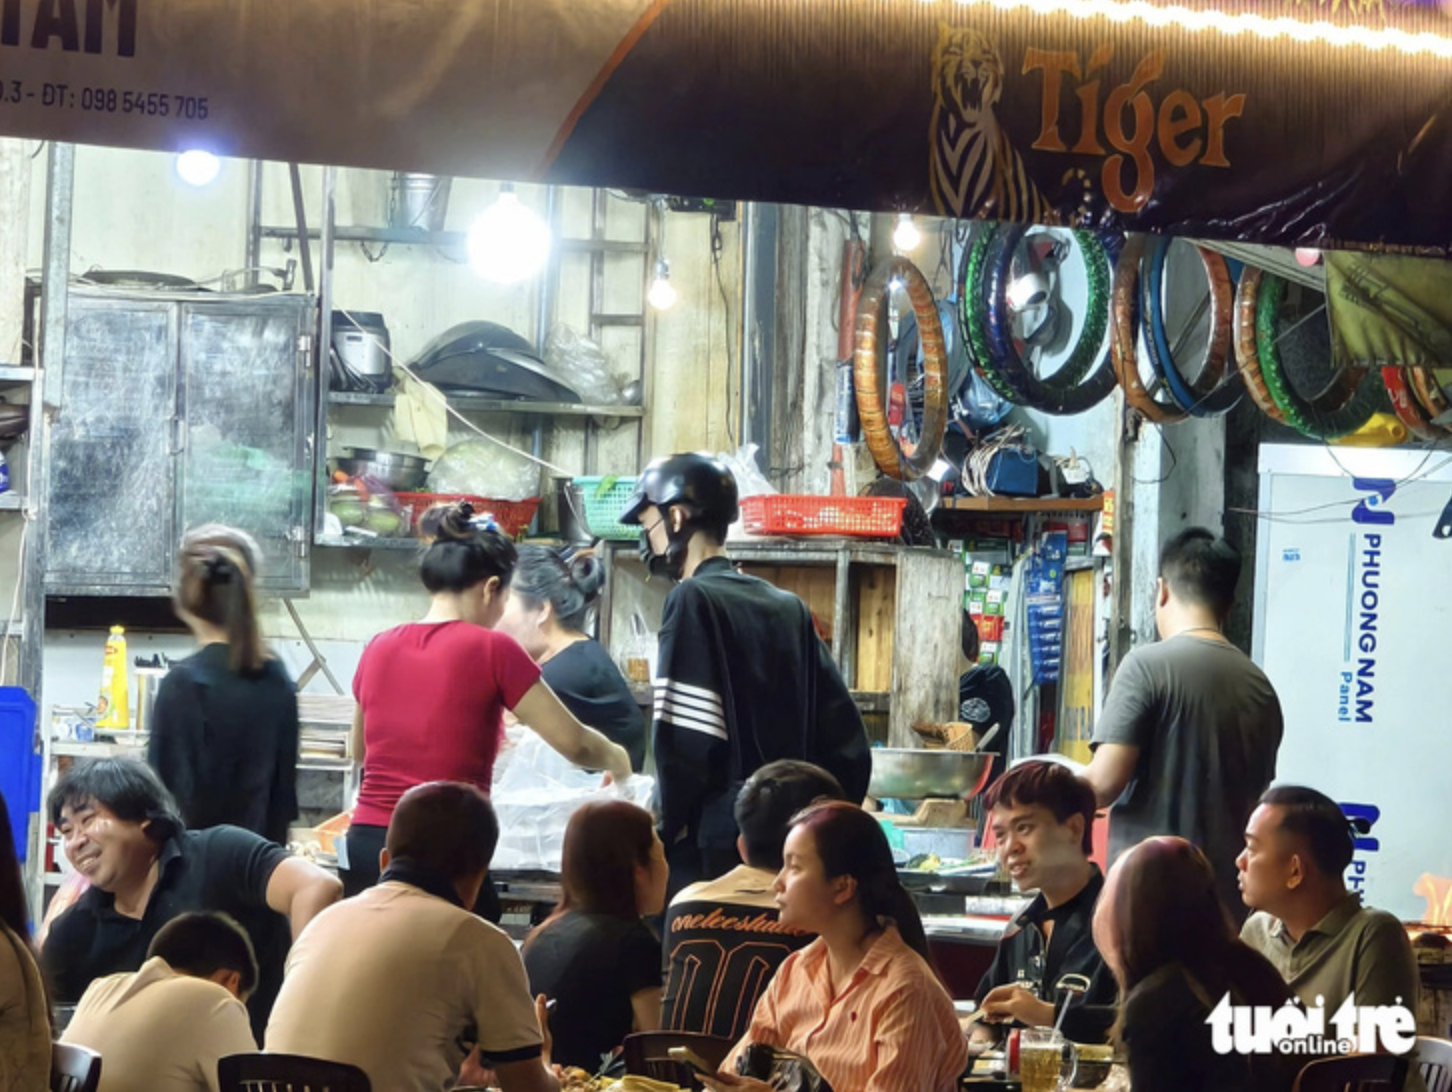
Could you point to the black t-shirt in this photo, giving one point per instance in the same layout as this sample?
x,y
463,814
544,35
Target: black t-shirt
x,y
721,957
226,744
225,869
1023,956
583,676
985,698
591,964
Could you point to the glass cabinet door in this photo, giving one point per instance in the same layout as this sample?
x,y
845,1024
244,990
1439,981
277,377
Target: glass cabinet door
x,y
110,508
246,399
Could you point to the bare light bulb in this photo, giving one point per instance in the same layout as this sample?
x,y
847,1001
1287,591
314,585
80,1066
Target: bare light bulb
x,y
508,242
906,236
662,294
198,168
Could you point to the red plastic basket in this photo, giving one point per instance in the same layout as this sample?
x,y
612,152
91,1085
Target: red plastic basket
x,y
513,517
787,514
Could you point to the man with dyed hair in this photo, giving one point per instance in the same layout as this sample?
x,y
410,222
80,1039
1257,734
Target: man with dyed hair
x,y
1040,814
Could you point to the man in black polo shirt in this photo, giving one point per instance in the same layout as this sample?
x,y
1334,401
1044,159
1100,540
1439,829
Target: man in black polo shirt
x,y
742,678
1040,814
123,835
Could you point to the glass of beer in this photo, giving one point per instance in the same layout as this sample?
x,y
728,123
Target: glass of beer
x,y
1044,1057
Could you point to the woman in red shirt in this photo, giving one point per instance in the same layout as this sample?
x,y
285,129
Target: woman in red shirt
x,y
431,694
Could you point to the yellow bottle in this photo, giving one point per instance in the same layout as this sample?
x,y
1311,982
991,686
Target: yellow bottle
x,y
114,709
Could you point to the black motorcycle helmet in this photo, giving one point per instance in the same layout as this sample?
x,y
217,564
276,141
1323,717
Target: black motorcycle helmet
x,y
703,486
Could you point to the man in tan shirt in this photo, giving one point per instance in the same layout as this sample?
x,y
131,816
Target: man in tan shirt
x,y
1326,945
402,980
163,1028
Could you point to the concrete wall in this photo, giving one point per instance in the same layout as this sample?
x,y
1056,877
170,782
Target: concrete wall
x,y
132,212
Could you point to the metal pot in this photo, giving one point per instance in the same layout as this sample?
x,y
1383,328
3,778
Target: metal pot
x,y
14,420
404,473
913,774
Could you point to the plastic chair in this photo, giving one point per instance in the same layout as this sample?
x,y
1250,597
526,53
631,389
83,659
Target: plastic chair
x,y
288,1073
647,1055
74,1068
1354,1073
1433,1060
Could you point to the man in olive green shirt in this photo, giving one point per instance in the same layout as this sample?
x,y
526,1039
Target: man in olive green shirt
x,y
1326,945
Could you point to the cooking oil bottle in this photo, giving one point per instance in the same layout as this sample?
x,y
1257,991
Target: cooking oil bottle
x,y
113,711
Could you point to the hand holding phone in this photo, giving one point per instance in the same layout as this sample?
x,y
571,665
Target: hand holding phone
x,y
691,1060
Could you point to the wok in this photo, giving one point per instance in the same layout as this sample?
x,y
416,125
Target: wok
x,y
913,774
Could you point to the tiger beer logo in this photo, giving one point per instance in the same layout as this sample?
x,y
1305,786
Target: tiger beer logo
x,y
975,170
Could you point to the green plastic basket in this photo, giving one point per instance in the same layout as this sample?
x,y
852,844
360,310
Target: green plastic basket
x,y
605,499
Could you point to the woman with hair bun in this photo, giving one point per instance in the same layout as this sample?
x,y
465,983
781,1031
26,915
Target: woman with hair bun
x,y
551,600
224,730
431,694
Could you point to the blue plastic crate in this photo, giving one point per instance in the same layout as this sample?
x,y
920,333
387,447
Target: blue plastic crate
x,y
19,763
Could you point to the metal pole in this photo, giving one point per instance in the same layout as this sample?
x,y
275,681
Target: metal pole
x,y
747,343
299,211
50,362
253,257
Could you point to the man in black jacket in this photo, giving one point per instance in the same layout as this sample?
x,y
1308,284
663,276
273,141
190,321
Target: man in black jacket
x,y
742,679
1040,814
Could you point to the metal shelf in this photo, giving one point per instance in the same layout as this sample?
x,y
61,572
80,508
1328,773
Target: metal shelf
x,y
1022,504
477,404
366,542
453,240
11,501
11,373
75,748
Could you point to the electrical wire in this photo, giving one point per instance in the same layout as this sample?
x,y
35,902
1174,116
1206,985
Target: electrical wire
x,y
974,471
718,246
455,413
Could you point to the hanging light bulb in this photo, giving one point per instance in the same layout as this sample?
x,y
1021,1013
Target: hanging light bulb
x,y
508,242
198,168
906,236
662,294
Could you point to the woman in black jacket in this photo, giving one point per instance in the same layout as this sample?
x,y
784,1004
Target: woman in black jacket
x,y
225,728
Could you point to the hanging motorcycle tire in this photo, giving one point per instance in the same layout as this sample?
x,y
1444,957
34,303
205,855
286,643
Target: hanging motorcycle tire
x,y
869,368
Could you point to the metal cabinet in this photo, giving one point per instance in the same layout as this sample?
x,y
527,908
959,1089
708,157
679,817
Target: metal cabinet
x,y
177,410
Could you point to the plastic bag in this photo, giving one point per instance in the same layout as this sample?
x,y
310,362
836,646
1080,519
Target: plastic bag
x,y
535,791
750,481
482,469
783,1070
582,364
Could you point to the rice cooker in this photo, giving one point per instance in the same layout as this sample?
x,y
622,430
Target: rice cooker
x,y
361,360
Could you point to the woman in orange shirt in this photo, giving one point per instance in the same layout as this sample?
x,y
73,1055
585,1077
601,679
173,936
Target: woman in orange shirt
x,y
861,1001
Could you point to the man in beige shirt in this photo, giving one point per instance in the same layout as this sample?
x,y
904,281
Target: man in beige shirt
x,y
1326,945
163,1028
402,980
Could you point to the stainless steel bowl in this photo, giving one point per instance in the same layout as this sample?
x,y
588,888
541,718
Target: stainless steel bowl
x,y
398,472
913,774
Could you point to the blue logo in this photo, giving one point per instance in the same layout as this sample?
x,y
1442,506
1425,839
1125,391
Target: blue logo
x,y
1369,509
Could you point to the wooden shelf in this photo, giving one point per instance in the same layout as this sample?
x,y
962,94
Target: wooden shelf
x,y
1022,504
469,403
